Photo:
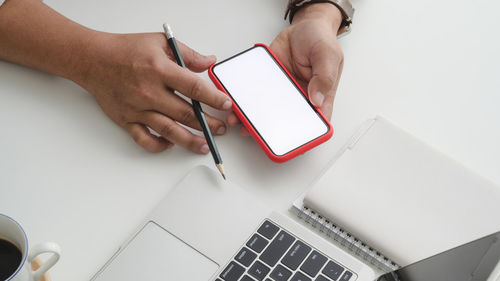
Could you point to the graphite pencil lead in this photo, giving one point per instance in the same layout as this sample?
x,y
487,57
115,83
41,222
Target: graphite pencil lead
x,y
221,170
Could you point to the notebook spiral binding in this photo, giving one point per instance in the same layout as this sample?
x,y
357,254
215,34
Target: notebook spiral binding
x,y
346,240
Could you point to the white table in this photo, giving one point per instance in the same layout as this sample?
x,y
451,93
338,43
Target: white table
x,y
70,175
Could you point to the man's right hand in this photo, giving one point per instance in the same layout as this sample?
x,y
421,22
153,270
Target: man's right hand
x,y
133,78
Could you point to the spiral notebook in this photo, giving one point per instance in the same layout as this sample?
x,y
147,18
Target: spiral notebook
x,y
393,200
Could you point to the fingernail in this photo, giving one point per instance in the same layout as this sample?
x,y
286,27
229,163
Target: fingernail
x,y
227,105
221,130
317,99
204,149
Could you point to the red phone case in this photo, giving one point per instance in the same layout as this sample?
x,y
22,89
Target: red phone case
x,y
276,158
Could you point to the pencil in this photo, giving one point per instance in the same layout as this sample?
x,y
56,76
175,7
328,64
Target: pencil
x,y
198,111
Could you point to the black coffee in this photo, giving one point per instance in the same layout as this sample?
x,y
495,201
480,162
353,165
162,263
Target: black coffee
x,y
10,259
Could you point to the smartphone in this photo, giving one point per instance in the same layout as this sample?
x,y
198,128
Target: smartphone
x,y
270,103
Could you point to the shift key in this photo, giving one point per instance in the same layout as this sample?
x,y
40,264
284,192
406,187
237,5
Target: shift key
x,y
277,248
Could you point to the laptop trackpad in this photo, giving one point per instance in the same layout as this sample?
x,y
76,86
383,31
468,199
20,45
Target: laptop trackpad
x,y
156,255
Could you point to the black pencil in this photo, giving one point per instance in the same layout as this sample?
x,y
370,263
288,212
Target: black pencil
x,y
198,111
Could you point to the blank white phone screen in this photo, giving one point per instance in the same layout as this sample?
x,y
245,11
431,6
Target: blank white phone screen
x,y
277,110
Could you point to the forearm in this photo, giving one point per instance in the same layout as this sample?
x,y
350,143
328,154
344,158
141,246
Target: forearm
x,y
34,35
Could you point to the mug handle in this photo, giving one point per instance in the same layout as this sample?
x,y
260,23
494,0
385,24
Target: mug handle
x,y
43,248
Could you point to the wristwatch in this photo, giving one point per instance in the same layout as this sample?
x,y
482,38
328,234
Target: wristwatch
x,y
344,6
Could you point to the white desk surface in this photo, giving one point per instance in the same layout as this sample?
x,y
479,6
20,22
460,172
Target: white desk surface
x,y
70,175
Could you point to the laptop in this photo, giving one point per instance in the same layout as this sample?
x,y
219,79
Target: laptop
x,y
375,210
208,229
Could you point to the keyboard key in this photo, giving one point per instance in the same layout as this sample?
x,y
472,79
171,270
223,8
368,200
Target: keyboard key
x,y
313,264
347,275
259,270
280,273
297,253
246,278
277,248
232,272
257,243
245,257
333,270
321,278
299,276
268,229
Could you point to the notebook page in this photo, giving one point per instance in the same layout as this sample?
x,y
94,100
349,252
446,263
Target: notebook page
x,y
404,198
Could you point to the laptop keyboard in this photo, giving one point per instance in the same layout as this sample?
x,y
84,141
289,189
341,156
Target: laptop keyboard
x,y
272,254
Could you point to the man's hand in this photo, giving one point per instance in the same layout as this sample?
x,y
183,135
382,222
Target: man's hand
x,y
309,50
134,76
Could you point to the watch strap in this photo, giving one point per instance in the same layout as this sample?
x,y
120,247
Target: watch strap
x,y
344,6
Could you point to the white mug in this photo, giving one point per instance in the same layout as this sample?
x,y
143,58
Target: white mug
x,y
11,231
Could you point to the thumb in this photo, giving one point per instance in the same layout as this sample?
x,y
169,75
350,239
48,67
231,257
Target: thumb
x,y
325,65
194,60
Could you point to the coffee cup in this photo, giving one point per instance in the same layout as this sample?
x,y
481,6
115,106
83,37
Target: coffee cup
x,y
16,257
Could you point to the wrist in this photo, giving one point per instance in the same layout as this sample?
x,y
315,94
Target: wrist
x,y
325,12
90,58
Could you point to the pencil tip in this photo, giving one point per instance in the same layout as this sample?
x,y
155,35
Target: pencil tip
x,y
220,167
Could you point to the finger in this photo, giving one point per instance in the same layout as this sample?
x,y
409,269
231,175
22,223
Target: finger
x,y
181,111
232,120
143,137
174,132
325,61
244,132
217,126
194,87
194,60
303,84
327,107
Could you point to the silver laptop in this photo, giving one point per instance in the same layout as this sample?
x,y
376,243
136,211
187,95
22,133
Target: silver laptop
x,y
207,229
